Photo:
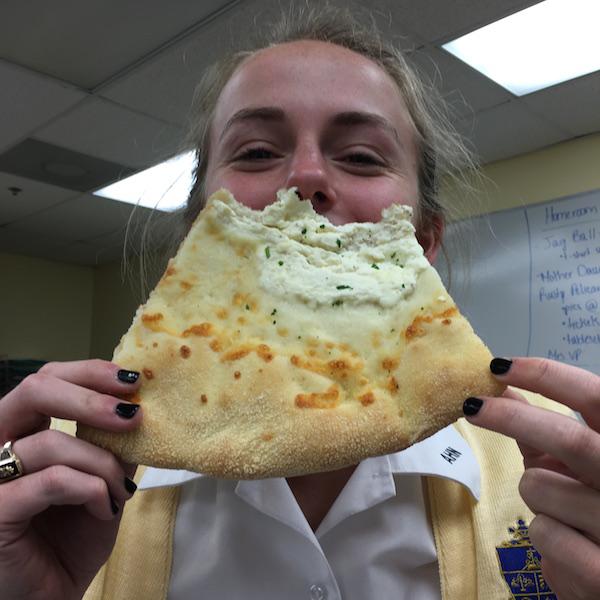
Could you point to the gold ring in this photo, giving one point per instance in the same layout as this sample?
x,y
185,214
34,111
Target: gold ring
x,y
10,464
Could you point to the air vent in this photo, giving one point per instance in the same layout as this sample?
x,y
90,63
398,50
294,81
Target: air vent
x,y
61,167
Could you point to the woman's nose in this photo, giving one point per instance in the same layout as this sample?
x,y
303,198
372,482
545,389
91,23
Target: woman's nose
x,y
308,172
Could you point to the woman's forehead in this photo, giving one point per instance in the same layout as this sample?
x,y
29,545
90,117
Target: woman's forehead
x,y
309,73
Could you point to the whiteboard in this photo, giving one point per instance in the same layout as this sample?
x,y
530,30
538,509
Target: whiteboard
x,y
532,284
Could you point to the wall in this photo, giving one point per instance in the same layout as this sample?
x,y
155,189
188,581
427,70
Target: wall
x,y
559,170
115,302
46,309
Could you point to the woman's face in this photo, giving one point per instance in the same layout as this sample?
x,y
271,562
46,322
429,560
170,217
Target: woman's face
x,y
318,117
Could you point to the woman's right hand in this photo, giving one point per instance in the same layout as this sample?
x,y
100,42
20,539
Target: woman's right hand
x,y
59,520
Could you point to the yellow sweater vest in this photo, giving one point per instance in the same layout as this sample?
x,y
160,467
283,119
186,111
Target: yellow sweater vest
x,y
466,532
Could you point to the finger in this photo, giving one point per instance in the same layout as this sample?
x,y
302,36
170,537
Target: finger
x,y
533,458
563,437
570,561
58,485
514,395
40,396
47,448
571,386
526,451
100,375
130,469
562,498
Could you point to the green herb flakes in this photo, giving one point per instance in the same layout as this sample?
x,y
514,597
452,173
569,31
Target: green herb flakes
x,y
337,302
343,287
339,243
280,263
268,252
374,266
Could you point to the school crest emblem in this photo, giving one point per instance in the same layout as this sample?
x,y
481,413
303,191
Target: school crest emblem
x,y
521,566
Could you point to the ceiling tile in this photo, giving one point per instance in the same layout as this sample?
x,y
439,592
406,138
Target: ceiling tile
x,y
60,166
88,42
29,100
507,130
441,20
573,105
78,219
105,130
163,87
33,197
466,90
13,241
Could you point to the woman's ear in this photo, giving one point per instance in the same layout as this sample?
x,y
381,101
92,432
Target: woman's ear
x,y
430,237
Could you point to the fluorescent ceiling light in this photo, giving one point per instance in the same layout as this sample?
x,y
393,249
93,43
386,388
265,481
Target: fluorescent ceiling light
x,y
164,187
543,45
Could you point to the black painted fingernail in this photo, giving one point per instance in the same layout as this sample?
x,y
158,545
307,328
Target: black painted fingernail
x,y
127,410
500,366
114,507
471,406
127,376
130,485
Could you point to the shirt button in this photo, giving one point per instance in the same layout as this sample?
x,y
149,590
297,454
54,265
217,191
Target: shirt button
x,y
318,592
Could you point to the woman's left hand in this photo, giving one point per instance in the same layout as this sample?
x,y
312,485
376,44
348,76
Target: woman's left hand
x,y
561,483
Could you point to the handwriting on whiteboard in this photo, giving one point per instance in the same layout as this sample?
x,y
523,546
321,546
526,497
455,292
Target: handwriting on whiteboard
x,y
565,280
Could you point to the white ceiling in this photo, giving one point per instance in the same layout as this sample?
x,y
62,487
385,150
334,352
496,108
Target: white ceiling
x,y
113,80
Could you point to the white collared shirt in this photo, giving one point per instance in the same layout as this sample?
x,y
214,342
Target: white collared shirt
x,y
249,539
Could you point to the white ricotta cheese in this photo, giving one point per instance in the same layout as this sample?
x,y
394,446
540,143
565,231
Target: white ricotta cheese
x,y
323,264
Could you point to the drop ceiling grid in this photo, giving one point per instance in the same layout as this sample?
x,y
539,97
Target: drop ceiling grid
x,y
467,90
573,105
509,129
78,219
163,86
34,197
142,108
88,42
103,129
29,100
438,21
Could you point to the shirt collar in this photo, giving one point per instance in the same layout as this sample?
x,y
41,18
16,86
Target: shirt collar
x,y
445,454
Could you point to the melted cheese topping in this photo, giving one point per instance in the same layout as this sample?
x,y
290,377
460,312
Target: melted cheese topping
x,y
320,264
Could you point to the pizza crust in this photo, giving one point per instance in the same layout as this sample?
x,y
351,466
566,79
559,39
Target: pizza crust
x,y
242,378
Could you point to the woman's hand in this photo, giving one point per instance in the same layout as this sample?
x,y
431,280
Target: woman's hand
x,y
59,520
561,483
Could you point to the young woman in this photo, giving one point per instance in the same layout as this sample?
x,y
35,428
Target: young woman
x,y
341,117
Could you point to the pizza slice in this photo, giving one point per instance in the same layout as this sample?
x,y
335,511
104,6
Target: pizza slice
x,y
278,344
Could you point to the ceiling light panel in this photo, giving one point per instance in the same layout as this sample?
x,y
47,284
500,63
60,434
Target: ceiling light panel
x,y
164,187
550,42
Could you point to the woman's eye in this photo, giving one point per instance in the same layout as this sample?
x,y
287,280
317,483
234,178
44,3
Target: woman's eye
x,y
255,154
362,159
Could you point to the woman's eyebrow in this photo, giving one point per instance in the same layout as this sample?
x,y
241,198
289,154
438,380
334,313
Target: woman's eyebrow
x,y
366,118
261,113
